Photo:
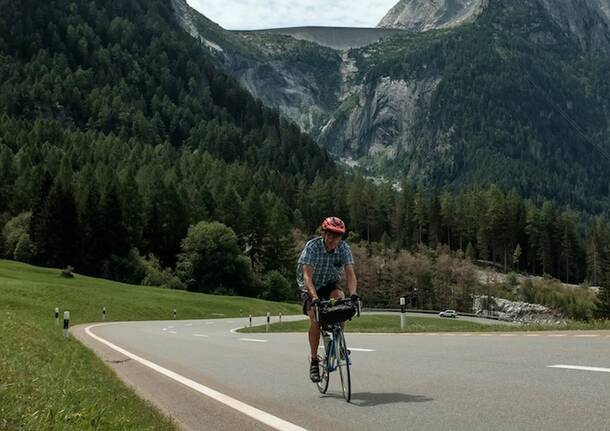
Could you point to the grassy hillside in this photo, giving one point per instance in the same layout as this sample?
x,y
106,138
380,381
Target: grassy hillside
x,y
48,383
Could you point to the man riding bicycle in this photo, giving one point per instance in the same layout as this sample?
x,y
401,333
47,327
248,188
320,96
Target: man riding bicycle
x,y
318,273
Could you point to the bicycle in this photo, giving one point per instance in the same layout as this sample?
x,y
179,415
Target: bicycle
x,y
330,314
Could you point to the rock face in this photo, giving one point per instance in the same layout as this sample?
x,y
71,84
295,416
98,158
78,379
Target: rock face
x,y
522,312
380,119
423,15
588,20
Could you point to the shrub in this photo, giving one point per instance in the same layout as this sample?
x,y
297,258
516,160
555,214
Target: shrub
x,y
67,272
211,258
277,288
17,241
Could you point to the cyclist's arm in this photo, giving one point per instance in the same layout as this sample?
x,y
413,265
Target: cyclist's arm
x,y
308,279
350,277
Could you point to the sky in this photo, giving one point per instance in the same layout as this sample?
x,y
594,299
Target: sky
x,y
259,14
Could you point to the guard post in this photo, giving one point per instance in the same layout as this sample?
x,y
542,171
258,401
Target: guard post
x,y
56,316
268,319
104,313
66,323
403,311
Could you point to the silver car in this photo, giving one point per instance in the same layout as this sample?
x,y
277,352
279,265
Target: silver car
x,y
448,313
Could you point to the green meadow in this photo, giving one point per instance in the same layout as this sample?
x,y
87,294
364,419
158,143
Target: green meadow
x,y
50,383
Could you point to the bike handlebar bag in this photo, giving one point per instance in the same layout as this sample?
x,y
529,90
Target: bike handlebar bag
x,y
336,313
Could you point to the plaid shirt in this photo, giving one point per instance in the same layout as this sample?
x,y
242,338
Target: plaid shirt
x,y
327,267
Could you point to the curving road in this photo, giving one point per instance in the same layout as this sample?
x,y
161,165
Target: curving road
x,y
209,378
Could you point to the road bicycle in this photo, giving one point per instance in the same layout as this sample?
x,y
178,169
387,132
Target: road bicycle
x,y
330,314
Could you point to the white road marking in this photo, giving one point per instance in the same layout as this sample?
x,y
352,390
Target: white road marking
x,y
587,336
188,324
507,335
172,332
486,335
200,335
259,415
217,314
354,349
557,335
581,368
234,330
532,335
165,329
170,327
254,340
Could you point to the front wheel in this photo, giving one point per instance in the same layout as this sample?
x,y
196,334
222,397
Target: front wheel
x,y
324,373
343,362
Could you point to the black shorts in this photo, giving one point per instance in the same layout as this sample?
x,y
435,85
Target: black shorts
x,y
323,293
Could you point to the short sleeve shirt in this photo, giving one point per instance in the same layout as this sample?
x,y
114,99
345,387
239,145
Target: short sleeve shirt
x,y
327,267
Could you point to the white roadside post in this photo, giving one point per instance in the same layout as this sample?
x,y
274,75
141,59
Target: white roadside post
x,y
104,313
174,314
66,323
250,318
280,317
403,311
268,318
56,316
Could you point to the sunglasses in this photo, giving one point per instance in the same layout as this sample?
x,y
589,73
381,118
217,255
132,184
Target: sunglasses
x,y
333,235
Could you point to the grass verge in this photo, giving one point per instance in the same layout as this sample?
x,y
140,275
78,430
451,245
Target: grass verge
x,y
391,324
49,383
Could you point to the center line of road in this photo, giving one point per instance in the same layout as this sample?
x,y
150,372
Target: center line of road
x,y
199,335
578,367
354,349
259,415
253,340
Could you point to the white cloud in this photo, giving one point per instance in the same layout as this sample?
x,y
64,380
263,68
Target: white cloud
x,y
259,14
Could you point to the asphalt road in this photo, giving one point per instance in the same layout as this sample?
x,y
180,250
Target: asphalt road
x,y
497,381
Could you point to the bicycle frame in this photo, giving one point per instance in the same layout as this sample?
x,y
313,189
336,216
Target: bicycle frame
x,y
337,355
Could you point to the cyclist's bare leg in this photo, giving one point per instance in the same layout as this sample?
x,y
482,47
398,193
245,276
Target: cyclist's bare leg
x,y
314,334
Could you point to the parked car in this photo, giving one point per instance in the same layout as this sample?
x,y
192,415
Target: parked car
x,y
448,313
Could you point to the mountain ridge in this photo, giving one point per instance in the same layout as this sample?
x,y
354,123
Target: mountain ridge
x,y
448,105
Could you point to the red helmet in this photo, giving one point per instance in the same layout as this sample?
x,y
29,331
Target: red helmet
x,y
334,224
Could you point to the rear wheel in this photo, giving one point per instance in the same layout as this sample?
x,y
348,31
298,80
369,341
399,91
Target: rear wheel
x,y
344,373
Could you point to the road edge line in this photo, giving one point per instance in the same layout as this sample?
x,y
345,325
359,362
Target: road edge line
x,y
248,410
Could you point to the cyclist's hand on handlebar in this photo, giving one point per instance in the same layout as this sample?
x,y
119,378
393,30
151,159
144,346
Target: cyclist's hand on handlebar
x,y
355,298
315,302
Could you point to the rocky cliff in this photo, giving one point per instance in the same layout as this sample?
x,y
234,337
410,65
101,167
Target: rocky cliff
x,y
424,15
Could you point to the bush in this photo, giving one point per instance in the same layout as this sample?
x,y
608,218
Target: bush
x,y
211,258
156,275
67,272
17,241
24,250
277,288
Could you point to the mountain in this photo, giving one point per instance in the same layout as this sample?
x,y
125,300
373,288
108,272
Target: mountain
x,y
512,92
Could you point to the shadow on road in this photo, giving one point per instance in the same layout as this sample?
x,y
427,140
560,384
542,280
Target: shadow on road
x,y
369,399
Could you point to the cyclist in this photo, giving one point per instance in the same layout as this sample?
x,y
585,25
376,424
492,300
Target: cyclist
x,y
318,273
